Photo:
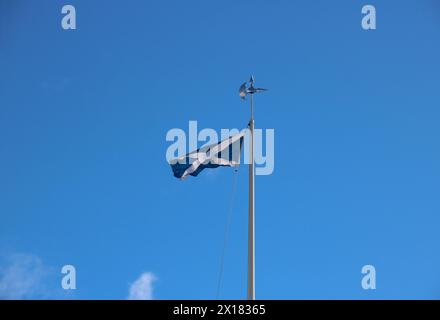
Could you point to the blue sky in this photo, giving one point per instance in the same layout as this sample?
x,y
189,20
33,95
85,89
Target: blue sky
x,y
83,120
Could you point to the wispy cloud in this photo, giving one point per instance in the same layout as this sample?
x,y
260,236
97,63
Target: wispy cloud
x,y
142,288
22,276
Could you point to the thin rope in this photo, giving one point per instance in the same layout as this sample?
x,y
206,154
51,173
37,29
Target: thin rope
x,y
227,226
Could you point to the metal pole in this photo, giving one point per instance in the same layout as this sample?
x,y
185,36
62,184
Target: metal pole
x,y
251,221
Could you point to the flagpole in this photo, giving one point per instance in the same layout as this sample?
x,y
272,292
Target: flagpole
x,y
243,92
251,221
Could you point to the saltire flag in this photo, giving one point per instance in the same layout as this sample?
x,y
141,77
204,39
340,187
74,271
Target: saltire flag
x,y
225,153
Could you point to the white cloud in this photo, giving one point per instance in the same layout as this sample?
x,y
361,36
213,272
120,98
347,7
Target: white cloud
x,y
142,288
21,277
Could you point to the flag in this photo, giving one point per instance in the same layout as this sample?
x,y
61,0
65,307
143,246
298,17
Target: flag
x,y
224,153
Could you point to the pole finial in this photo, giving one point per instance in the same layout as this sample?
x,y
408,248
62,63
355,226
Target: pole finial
x,y
245,90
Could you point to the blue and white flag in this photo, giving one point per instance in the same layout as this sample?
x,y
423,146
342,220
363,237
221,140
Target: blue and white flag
x,y
224,153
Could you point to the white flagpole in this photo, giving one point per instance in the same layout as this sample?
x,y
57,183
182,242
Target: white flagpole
x,y
244,91
251,221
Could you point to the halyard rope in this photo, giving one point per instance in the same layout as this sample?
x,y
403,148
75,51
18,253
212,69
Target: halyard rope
x,y
227,226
